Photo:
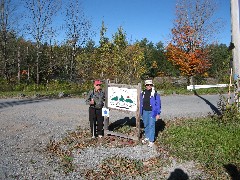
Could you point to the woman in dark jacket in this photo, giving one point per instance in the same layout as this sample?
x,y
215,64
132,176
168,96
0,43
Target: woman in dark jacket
x,y
150,109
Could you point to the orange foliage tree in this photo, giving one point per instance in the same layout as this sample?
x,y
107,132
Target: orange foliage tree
x,y
193,29
186,53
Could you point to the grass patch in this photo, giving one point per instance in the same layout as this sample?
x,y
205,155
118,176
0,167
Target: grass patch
x,y
184,91
51,89
206,141
54,87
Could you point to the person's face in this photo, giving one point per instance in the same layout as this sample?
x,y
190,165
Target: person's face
x,y
148,86
97,86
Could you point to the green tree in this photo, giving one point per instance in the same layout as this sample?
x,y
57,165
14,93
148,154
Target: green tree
x,y
156,60
104,56
220,59
164,66
149,60
86,61
119,62
8,22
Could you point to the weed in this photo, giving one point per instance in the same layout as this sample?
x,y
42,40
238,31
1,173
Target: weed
x,y
229,113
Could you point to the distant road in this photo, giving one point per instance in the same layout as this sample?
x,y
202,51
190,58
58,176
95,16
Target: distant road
x,y
174,106
178,106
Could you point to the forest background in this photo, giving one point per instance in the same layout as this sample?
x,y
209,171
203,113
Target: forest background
x,y
42,64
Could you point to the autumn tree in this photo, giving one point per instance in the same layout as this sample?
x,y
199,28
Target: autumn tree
x,y
95,62
190,58
134,63
77,30
194,27
39,20
128,60
114,59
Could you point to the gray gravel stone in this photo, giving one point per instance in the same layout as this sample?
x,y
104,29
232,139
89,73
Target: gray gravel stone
x,y
92,157
27,125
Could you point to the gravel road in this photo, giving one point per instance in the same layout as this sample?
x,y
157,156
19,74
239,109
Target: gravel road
x,y
27,125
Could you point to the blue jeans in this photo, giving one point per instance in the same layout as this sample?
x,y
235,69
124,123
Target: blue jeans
x,y
149,125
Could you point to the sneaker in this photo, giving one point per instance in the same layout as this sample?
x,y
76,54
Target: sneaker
x,y
100,136
145,140
151,144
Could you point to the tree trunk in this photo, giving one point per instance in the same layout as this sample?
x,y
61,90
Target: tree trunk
x,y
71,66
192,82
37,62
28,74
19,66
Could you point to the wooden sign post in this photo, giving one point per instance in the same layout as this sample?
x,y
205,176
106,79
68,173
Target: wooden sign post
x,y
122,97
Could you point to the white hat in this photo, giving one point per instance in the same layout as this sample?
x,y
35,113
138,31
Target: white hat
x,y
148,82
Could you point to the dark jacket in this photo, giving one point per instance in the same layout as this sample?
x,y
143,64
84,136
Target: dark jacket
x,y
98,97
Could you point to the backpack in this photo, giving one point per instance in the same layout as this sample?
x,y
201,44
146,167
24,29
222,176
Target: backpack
x,y
155,94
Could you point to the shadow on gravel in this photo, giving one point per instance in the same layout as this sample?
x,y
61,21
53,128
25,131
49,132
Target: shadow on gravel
x,y
214,108
21,102
160,124
123,122
233,171
178,174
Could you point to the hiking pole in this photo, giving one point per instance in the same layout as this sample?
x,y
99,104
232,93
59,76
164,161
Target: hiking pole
x,y
93,129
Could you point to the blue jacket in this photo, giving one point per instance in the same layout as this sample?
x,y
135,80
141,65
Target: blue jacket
x,y
155,102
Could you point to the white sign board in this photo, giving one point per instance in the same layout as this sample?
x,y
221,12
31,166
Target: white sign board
x,y
122,98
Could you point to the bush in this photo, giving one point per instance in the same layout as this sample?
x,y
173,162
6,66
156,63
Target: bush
x,y
228,113
5,86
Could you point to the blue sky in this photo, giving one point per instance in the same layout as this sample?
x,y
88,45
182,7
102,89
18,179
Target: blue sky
x,y
152,19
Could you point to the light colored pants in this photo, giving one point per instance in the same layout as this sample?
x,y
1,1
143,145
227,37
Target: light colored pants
x,y
149,125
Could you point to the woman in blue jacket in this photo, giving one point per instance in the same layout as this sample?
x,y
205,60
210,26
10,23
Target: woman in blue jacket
x,y
150,109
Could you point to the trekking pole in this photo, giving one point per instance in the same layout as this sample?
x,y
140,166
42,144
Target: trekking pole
x,y
93,128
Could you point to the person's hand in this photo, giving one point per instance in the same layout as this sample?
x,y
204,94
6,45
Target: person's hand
x,y
92,101
157,117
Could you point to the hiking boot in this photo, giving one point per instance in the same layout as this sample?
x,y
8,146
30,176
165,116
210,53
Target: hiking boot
x,y
151,144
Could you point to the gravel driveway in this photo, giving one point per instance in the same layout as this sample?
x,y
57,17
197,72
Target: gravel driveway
x,y
27,125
